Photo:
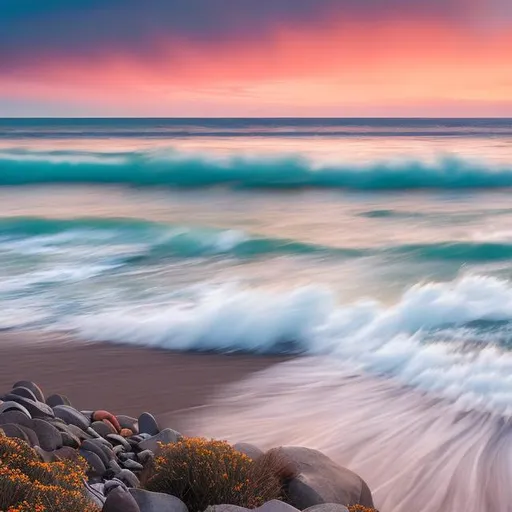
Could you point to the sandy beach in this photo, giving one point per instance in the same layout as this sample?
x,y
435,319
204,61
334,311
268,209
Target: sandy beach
x,y
120,378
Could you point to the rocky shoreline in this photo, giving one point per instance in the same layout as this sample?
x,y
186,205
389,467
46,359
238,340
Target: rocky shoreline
x,y
121,450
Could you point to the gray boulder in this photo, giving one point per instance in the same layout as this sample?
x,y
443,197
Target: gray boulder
x,y
32,386
11,430
36,409
95,494
129,478
253,452
71,416
95,463
49,437
93,447
270,506
9,405
166,436
103,429
128,422
55,400
320,480
148,424
120,500
15,416
25,392
157,502
31,435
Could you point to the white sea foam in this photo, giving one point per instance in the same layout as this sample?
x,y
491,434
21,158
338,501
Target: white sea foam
x,y
392,340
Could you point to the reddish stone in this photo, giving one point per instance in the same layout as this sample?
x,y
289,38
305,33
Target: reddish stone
x,y
126,432
110,426
105,415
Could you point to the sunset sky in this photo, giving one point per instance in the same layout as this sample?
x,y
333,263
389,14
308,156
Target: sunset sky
x,y
222,58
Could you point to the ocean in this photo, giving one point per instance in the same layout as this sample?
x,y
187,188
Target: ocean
x,y
379,251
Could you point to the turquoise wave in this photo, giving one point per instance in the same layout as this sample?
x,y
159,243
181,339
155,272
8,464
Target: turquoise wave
x,y
176,170
162,240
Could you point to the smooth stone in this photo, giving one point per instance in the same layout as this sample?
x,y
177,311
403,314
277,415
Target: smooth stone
x,y
44,455
120,500
148,424
35,408
132,465
25,392
128,422
114,466
129,478
226,508
117,439
327,507
110,485
32,386
95,494
138,438
50,438
126,432
270,506
55,400
104,442
105,415
145,456
157,502
102,428
118,449
95,463
145,436
167,436
126,456
70,440
15,416
31,435
13,406
93,433
12,430
253,452
320,480
87,414
66,453
71,416
91,446
134,444
73,430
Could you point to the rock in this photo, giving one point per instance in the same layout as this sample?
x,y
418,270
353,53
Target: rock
x,y
12,430
95,494
117,439
157,502
114,466
33,387
70,440
118,449
50,438
13,406
15,416
93,433
145,456
110,485
128,422
31,435
95,463
167,436
66,453
102,428
71,416
132,465
126,432
148,424
253,452
129,478
119,500
72,430
270,506
55,400
126,456
320,480
110,426
91,446
25,392
36,409
226,508
44,455
105,415
327,507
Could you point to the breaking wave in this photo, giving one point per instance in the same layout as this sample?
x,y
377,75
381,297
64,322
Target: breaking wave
x,y
182,170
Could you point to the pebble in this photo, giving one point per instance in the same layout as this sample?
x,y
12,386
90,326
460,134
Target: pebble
x,y
94,461
14,406
167,436
25,392
126,432
120,500
55,400
49,436
148,424
32,386
71,416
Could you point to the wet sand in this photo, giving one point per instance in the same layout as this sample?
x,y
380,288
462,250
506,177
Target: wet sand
x,y
119,378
